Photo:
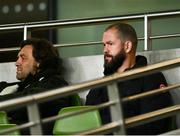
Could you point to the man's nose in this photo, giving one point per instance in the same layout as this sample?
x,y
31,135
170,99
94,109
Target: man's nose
x,y
17,62
105,50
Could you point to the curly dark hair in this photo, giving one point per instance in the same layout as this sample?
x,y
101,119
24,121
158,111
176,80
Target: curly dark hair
x,y
45,53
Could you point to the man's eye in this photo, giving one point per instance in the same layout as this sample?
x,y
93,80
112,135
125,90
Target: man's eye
x,y
24,58
110,43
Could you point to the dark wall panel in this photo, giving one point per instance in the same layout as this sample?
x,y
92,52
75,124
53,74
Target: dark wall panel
x,y
24,11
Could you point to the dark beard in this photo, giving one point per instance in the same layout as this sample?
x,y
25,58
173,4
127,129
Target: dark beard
x,y
116,62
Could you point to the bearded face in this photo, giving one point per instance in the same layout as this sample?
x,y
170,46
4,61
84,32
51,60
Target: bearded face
x,y
26,64
116,61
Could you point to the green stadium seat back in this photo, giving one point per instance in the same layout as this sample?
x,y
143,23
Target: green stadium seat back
x,y
76,123
76,100
3,118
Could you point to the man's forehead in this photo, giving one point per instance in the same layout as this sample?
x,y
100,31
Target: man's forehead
x,y
25,49
110,36
112,31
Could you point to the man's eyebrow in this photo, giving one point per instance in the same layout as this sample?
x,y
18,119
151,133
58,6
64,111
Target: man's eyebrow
x,y
21,55
108,42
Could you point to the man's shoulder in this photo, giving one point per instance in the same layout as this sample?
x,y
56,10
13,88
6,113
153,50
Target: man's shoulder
x,y
57,79
158,76
42,83
51,82
154,81
96,96
99,89
97,92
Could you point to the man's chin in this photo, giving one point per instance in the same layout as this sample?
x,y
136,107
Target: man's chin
x,y
19,78
107,62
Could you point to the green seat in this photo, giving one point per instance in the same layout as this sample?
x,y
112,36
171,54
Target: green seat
x,y
6,126
76,123
76,100
3,118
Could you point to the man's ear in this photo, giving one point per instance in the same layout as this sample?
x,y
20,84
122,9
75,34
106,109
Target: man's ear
x,y
128,46
38,65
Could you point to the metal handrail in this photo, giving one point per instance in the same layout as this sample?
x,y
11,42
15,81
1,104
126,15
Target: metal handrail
x,y
165,36
92,42
88,21
129,122
135,120
89,84
105,129
152,116
150,93
56,23
49,119
100,106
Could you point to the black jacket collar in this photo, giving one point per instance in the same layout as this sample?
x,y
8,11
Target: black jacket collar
x,y
37,78
140,62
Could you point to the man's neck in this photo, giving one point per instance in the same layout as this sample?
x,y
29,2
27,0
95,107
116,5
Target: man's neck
x,y
128,63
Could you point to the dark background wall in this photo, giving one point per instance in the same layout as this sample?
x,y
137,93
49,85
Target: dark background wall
x,y
24,11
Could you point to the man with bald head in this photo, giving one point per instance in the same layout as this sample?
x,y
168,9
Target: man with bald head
x,y
120,43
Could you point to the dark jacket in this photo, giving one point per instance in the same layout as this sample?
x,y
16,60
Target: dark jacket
x,y
43,81
140,106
